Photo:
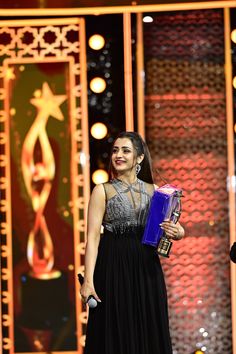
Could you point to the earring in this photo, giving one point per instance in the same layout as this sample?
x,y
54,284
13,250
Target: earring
x,y
137,169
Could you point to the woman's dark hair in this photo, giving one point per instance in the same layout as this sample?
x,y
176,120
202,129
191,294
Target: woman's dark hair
x,y
141,148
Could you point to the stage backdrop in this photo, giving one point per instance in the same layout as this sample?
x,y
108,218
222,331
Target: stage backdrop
x,y
186,133
43,155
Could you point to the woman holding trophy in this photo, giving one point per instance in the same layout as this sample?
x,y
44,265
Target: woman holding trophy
x,y
121,273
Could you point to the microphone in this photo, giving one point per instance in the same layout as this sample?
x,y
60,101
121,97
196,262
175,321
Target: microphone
x,y
91,301
233,253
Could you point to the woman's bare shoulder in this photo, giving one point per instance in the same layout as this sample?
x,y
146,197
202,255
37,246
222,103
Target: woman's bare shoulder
x,y
98,191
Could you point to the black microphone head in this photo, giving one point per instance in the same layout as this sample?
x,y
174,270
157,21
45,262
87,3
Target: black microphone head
x,y
81,278
233,253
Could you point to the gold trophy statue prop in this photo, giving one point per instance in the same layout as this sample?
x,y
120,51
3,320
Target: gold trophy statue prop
x,y
44,299
38,178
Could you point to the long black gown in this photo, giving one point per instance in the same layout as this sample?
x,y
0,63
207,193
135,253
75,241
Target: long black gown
x,y
133,316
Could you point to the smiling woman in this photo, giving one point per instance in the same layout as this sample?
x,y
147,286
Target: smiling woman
x,y
124,275
124,156
134,150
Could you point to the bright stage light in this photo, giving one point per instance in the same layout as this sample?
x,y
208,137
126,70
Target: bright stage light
x,y
99,130
233,35
100,176
97,85
147,19
9,75
234,82
96,42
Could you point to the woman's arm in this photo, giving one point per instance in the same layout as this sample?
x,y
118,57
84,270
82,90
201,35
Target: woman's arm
x,y
96,210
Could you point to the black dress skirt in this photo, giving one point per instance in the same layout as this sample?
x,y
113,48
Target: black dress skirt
x,y
133,316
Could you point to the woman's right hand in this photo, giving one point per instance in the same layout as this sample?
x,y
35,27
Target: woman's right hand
x,y
86,290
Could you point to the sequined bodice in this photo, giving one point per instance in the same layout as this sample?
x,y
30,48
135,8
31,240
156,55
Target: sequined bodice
x,y
126,205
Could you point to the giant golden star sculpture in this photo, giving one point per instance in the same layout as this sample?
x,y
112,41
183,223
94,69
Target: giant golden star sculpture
x,y
48,104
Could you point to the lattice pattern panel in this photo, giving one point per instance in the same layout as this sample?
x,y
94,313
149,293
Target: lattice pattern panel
x,y
43,196
186,133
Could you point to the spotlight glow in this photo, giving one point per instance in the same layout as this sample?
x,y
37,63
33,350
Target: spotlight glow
x,y
234,82
233,35
99,130
96,42
147,19
97,84
10,74
100,176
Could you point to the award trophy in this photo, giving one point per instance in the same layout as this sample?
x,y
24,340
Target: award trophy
x,y
44,299
165,204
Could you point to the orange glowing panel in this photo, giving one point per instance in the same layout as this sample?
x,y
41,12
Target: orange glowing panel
x,y
129,114
231,165
43,195
40,248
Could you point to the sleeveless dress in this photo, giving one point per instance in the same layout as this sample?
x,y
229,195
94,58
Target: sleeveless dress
x,y
133,316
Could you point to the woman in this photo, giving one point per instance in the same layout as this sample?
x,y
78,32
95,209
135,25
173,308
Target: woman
x,y
124,275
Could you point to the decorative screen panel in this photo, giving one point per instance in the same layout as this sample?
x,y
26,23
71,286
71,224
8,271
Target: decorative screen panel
x,y
43,196
186,133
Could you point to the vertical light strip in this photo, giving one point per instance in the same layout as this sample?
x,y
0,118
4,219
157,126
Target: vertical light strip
x,y
0,303
140,76
85,151
129,115
231,163
9,277
84,105
75,196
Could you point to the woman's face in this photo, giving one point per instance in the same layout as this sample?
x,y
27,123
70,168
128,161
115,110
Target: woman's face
x,y
123,156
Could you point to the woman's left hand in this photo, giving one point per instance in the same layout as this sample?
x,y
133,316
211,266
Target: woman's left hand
x,y
172,231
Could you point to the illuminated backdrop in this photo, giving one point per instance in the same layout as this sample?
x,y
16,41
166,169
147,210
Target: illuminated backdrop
x,y
44,168
186,132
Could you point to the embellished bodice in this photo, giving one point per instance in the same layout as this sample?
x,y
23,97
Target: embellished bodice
x,y
127,205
